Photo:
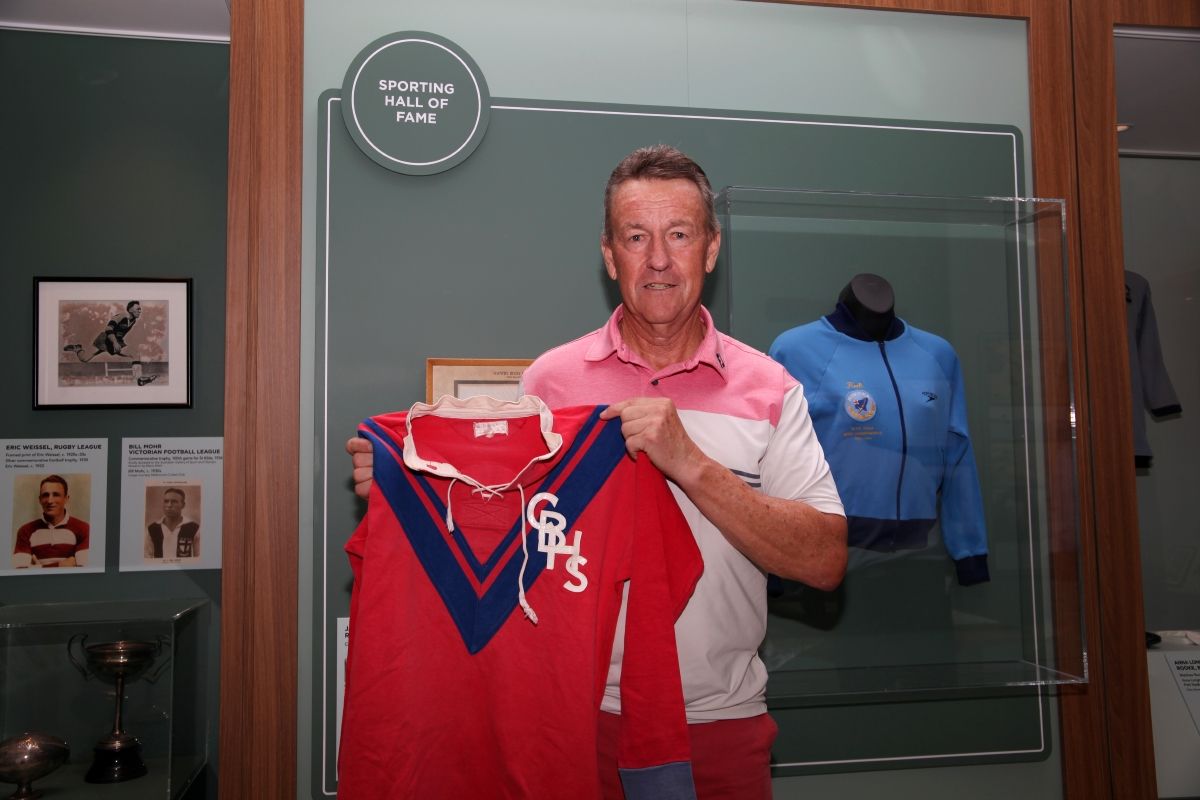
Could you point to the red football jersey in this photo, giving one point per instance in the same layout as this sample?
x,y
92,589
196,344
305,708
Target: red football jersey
x,y
51,544
488,577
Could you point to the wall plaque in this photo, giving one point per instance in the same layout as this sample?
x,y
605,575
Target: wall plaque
x,y
415,103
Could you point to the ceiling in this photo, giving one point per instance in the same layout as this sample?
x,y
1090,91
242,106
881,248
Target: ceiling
x,y
1157,86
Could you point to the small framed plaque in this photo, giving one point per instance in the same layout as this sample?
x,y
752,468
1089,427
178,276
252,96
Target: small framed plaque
x,y
468,377
112,342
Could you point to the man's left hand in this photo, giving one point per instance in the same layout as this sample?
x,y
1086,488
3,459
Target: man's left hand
x,y
651,425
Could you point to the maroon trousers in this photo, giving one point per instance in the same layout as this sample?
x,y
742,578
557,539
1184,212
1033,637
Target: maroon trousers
x,y
731,759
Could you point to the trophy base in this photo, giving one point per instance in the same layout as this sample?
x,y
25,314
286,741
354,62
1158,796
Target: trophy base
x,y
25,791
116,759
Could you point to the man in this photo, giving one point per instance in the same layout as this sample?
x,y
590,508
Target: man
x,y
111,340
730,430
56,539
173,536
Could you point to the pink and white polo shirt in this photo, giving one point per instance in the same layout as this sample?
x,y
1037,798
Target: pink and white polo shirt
x,y
745,412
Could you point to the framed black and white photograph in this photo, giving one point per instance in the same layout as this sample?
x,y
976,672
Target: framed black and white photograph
x,y
112,342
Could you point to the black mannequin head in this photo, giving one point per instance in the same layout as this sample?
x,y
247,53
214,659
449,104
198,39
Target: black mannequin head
x,y
871,302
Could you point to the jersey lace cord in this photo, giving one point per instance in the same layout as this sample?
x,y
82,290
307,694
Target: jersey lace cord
x,y
488,492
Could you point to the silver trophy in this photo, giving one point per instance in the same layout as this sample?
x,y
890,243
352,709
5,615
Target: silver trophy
x,y
25,758
118,756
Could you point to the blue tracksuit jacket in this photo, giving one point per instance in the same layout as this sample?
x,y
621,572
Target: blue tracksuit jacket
x,y
892,419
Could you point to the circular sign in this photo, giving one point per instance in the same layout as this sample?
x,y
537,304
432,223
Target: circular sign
x,y
415,103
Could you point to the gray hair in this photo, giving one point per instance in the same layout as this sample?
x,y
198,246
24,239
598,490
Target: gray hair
x,y
660,162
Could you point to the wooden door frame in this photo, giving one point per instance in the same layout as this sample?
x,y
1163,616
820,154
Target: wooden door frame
x,y
1117,717
260,556
1106,740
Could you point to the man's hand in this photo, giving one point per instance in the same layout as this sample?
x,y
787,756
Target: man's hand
x,y
786,537
651,425
362,457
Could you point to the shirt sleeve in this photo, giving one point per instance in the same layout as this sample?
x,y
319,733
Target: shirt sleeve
x,y
653,753
23,550
963,528
83,539
794,466
1158,393
349,779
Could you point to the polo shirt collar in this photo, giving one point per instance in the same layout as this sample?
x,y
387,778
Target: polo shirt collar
x,y
711,351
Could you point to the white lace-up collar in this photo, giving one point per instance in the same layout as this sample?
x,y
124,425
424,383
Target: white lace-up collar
x,y
480,407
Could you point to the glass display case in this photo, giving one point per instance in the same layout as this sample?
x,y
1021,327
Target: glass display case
x,y
122,682
950,434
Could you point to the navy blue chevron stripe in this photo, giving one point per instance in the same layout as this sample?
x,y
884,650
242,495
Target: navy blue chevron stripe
x,y
581,436
381,433
424,536
483,569
479,618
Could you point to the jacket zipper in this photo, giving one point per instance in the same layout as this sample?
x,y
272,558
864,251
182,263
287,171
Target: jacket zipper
x,y
903,427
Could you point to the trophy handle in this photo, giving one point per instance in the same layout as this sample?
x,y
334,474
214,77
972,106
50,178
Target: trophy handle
x,y
153,675
82,639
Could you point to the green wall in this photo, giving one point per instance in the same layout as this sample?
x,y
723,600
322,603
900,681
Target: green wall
x,y
703,54
113,163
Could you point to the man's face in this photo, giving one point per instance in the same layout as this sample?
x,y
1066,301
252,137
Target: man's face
x,y
659,249
172,504
135,310
53,497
